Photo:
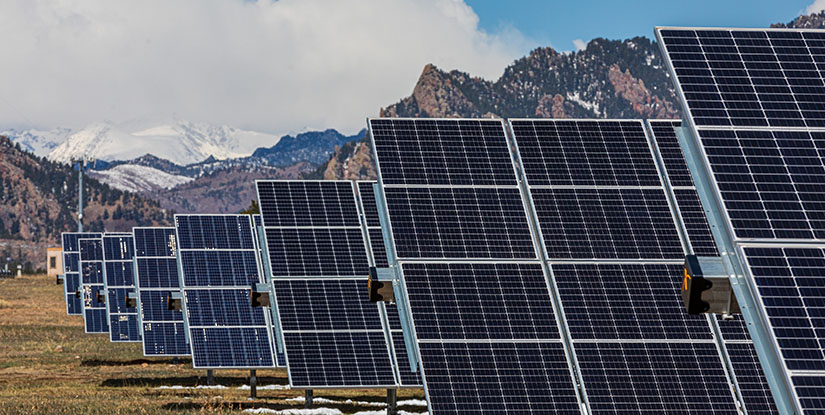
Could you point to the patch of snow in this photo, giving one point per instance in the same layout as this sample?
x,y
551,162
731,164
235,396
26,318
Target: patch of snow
x,y
592,106
178,141
385,412
297,411
135,178
265,387
39,142
412,402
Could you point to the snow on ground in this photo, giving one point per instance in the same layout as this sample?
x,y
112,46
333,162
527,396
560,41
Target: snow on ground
x,y
134,178
301,411
266,387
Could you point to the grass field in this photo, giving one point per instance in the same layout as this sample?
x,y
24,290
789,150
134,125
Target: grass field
x,y
48,365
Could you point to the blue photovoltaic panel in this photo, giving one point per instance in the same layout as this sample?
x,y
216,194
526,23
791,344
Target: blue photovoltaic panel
x,y
661,378
442,152
479,301
95,316
486,332
610,301
459,223
596,190
585,153
119,281
749,78
71,271
772,183
790,286
684,191
368,203
609,223
219,266
511,378
333,335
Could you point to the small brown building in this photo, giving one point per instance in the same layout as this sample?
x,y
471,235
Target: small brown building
x,y
54,261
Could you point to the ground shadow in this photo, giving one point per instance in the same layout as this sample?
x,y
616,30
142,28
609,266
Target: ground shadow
x,y
189,381
133,362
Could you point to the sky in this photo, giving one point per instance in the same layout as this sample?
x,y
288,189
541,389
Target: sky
x,y
290,65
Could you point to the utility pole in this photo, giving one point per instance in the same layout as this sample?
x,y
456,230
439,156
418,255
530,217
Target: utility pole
x,y
80,164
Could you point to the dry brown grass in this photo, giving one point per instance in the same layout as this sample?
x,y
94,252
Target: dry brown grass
x,y
48,365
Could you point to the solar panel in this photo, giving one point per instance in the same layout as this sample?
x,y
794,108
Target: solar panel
x,y
156,266
91,279
748,78
483,319
218,267
333,335
596,190
753,99
71,270
378,258
280,356
119,282
608,228
684,191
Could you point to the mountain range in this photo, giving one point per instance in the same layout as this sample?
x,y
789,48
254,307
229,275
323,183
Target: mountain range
x,y
189,167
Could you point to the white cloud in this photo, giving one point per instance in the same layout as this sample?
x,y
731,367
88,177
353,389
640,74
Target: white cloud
x,y
579,44
816,7
267,65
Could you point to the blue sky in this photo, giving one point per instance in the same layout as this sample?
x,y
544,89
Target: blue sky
x,y
557,23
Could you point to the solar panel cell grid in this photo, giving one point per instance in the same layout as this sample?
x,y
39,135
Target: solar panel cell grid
x,y
318,255
746,78
442,152
308,203
459,223
665,378
321,252
671,152
607,223
626,301
513,378
789,284
585,153
479,301
314,305
772,183
696,223
118,267
157,277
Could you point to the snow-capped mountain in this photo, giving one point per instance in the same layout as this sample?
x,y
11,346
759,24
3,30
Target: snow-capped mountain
x,y
39,142
179,141
135,178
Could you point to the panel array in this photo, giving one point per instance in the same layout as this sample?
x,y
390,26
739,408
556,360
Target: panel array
x,y
333,336
378,258
487,336
91,285
156,265
616,258
755,102
71,270
257,221
119,282
218,267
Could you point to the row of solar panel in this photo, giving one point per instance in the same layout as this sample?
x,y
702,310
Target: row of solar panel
x,y
212,261
480,304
